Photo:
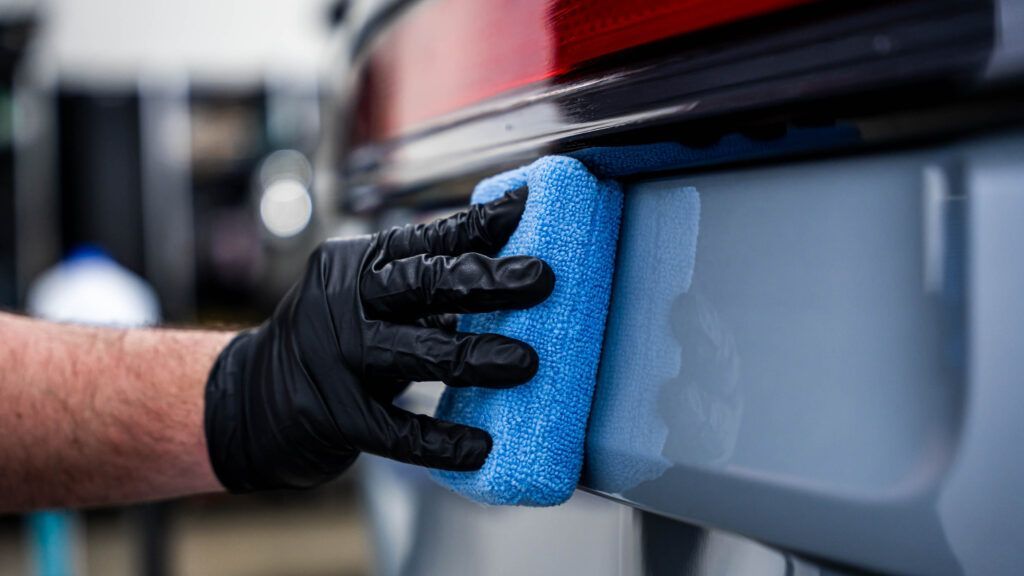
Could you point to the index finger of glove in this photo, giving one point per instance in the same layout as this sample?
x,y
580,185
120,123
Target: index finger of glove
x,y
483,228
470,283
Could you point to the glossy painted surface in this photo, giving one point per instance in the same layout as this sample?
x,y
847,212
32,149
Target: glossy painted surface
x,y
486,48
810,378
796,62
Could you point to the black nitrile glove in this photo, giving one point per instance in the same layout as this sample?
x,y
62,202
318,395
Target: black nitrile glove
x,y
292,403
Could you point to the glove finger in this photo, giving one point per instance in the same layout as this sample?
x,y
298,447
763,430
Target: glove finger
x,y
425,441
424,285
446,322
482,228
457,359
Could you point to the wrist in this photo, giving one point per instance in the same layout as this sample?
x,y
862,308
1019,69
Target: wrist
x,y
191,353
223,420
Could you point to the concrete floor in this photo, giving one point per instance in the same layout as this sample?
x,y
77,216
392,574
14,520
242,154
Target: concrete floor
x,y
298,534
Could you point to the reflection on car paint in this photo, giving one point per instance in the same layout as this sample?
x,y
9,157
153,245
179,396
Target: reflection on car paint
x,y
640,353
704,401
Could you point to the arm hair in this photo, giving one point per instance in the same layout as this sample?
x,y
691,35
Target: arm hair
x,y
95,416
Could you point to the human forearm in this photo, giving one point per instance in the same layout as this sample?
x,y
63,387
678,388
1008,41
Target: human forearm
x,y
92,416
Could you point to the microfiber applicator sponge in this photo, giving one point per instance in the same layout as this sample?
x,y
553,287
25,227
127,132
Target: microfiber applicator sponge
x,y
571,221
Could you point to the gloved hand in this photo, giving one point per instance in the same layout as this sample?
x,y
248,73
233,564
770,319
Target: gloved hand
x,y
292,403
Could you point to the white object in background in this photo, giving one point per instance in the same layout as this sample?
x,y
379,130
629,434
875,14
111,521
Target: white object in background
x,y
89,287
286,207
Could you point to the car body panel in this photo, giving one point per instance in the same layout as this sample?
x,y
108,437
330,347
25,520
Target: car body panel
x,y
821,377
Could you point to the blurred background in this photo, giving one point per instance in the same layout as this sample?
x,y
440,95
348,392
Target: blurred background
x,y
833,388
157,156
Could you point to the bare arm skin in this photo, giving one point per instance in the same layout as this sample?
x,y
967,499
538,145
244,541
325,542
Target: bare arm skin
x,y
93,416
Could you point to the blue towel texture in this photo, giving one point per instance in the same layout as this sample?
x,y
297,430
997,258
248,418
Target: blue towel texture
x,y
572,222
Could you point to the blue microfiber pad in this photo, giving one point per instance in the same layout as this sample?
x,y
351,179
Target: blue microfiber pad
x,y
571,221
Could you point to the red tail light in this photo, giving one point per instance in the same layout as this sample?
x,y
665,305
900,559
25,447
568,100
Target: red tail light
x,y
447,54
